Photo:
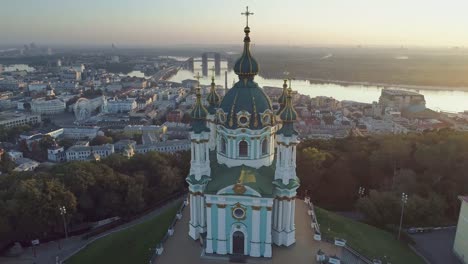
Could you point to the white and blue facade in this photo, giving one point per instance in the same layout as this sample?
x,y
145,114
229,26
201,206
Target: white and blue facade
x,y
242,179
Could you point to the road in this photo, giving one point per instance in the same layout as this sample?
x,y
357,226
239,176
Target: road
x,y
437,246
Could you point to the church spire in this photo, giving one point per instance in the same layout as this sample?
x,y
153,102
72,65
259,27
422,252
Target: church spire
x,y
284,94
288,115
246,66
213,98
199,112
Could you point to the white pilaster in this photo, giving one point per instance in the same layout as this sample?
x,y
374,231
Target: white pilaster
x,y
293,216
221,246
267,252
209,234
255,242
280,216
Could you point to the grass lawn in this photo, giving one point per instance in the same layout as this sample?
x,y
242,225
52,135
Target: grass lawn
x,y
131,245
367,240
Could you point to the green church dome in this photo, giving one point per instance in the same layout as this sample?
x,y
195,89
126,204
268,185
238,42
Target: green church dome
x,y
246,104
246,66
198,115
213,98
282,98
288,115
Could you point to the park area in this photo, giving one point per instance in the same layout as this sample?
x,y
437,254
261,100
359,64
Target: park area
x,y
369,241
133,245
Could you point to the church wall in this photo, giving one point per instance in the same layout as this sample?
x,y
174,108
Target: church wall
x,y
231,224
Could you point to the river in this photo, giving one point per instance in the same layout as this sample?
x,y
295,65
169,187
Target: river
x,y
438,100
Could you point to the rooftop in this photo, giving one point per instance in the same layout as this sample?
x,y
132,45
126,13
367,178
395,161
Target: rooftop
x,y
398,92
261,180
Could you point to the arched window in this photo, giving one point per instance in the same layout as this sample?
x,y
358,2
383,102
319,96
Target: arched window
x,y
265,147
223,145
243,149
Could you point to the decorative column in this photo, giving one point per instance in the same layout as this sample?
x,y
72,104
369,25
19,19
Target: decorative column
x,y
221,247
193,227
209,235
255,241
267,252
280,215
202,223
293,217
287,215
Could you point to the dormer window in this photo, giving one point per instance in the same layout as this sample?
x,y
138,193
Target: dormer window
x,y
223,145
265,147
243,149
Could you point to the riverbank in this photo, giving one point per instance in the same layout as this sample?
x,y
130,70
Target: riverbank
x,y
388,85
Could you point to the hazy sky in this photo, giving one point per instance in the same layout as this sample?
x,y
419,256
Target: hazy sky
x,y
292,22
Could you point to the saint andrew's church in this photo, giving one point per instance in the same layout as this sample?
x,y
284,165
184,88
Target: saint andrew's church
x,y
242,178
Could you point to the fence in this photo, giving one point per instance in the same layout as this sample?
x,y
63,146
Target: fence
x,y
170,231
350,255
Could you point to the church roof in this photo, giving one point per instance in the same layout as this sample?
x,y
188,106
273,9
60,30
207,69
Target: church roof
x,y
261,180
198,115
245,95
213,98
288,115
284,94
246,66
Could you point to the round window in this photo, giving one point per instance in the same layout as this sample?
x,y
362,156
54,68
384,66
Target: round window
x,y
239,213
243,120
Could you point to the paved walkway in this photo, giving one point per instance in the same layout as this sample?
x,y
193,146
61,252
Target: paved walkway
x,y
47,253
182,249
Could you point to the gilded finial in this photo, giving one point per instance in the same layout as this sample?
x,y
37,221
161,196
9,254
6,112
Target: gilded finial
x,y
247,14
198,77
212,73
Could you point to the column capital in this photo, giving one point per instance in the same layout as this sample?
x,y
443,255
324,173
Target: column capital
x,y
221,205
208,205
256,208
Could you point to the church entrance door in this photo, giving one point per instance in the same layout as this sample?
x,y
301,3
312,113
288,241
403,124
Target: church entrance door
x,y
238,243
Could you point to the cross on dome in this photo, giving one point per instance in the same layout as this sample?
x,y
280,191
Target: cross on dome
x,y
247,14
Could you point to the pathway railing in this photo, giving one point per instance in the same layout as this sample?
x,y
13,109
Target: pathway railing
x,y
159,248
314,224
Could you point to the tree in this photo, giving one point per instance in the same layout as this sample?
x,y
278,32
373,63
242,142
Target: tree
x,y
100,140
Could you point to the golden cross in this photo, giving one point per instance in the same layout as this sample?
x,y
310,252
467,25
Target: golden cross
x,y
288,77
247,14
198,77
213,72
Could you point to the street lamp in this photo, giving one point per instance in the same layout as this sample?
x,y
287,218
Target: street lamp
x,y
63,212
404,200
361,191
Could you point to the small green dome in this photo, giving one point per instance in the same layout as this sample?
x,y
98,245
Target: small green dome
x,y
198,115
246,66
288,115
213,98
282,98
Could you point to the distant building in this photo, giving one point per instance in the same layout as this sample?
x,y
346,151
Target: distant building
x,y
25,164
401,99
81,132
56,154
460,246
166,146
70,75
15,155
45,106
175,116
121,105
13,119
83,153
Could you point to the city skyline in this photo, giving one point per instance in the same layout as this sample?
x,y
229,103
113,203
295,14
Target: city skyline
x,y
156,23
